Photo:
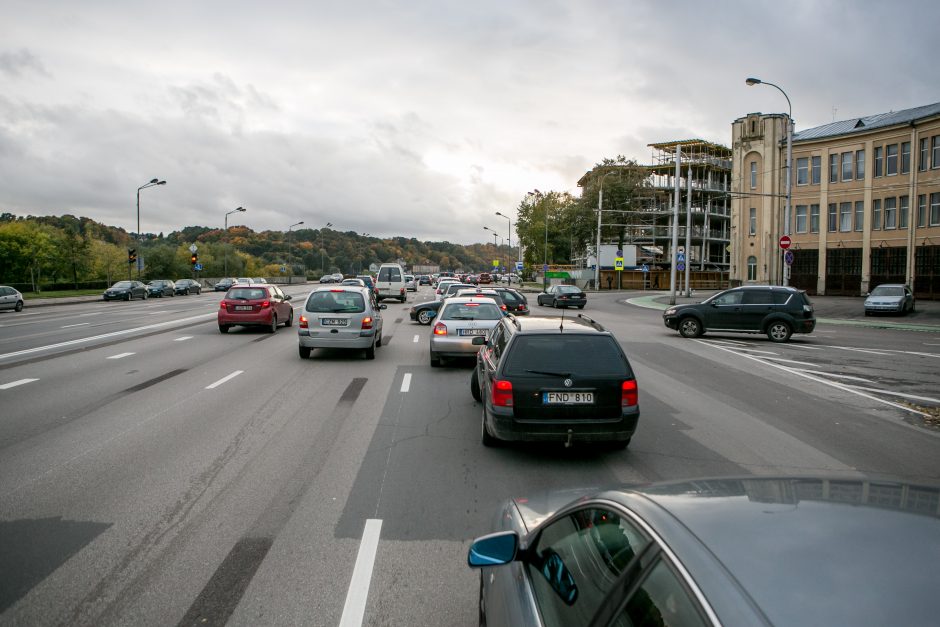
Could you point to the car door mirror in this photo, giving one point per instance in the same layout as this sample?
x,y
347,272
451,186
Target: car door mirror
x,y
478,341
494,549
288,297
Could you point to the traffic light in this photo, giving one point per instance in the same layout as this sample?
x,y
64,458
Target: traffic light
x,y
194,259
131,255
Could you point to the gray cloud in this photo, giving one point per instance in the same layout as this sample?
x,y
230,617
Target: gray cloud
x,y
21,63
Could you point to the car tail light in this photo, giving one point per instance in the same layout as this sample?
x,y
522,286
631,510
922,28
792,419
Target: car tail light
x,y
503,307
440,329
223,305
502,393
521,307
303,322
401,291
629,394
367,322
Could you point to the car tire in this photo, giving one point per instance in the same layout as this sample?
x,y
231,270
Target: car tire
x,y
223,328
690,327
304,352
127,297
580,306
19,306
290,319
424,316
370,352
488,440
273,326
145,296
403,299
475,385
378,341
867,313
186,293
435,360
779,331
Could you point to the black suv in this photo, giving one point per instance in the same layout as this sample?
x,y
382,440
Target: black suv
x,y
545,379
777,311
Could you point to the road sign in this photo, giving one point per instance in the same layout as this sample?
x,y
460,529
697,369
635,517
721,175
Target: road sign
x,y
788,257
192,248
680,266
545,267
619,252
496,263
197,267
785,242
645,268
518,265
618,264
680,256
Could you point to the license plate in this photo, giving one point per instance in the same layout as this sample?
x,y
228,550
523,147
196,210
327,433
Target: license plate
x,y
567,398
334,322
243,307
471,331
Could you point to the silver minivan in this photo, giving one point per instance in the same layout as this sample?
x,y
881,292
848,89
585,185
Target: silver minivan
x,y
341,316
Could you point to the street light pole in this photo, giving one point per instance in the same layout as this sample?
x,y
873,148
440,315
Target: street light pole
x,y
328,225
144,186
290,271
225,247
786,216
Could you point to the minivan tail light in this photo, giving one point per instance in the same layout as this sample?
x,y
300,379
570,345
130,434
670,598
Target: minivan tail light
x,y
303,322
502,393
629,394
367,322
440,329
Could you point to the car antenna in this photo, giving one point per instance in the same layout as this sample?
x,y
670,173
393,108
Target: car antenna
x,y
561,326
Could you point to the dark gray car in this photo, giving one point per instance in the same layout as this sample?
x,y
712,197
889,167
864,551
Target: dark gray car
x,y
748,551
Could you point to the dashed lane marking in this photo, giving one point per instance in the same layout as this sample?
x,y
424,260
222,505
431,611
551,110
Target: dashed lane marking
x,y
224,379
120,356
80,324
416,338
13,384
355,607
184,338
406,382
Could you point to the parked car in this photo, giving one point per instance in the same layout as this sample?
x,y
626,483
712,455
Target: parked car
x,y
126,290
776,311
223,285
390,282
10,298
188,286
160,288
894,298
255,305
458,322
411,283
346,317
539,380
738,551
562,296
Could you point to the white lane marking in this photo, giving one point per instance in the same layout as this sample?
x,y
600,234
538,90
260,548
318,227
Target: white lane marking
x,y
92,338
902,394
184,338
153,313
224,379
355,607
840,376
786,361
416,338
809,348
80,324
13,384
406,382
860,350
120,356
754,350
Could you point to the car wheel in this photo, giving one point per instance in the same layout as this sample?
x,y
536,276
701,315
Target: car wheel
x,y
127,297
403,299
273,326
867,313
425,316
555,304
19,306
304,352
487,439
378,341
475,385
186,293
370,352
539,301
290,319
779,331
580,306
145,296
223,328
435,360
690,327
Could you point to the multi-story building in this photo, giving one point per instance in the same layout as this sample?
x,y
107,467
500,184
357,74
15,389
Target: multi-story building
x,y
865,202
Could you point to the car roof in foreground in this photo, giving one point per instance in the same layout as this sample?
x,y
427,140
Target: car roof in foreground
x,y
568,324
805,550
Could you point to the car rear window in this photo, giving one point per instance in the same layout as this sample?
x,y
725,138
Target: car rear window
x,y
471,311
567,289
782,298
575,354
389,274
336,302
247,293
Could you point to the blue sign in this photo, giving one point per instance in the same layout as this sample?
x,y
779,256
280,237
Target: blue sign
x,y
645,268
680,266
518,265
197,267
788,257
545,267
680,256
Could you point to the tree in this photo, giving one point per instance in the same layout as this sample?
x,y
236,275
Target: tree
x,y
624,182
542,227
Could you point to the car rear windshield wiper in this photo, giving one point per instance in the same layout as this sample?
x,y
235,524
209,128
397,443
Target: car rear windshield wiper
x,y
550,373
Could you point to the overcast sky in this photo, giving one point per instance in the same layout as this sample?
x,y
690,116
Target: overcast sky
x,y
415,118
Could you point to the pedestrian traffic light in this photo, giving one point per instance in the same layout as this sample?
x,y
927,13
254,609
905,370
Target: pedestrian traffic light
x,y
194,259
131,255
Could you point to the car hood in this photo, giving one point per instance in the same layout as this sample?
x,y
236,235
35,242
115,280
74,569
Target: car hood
x,y
683,306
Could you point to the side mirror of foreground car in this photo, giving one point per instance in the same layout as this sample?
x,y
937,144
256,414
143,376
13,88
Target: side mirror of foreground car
x,y
478,341
494,549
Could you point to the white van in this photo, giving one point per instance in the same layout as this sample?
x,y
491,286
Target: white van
x,y
390,282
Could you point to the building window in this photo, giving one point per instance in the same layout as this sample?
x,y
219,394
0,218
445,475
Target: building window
x,y
903,210
833,168
891,213
876,214
935,149
905,157
814,218
802,171
801,218
752,222
752,268
922,210
845,216
935,209
817,167
846,166
753,175
879,160
859,215
833,217
891,163
859,165
924,159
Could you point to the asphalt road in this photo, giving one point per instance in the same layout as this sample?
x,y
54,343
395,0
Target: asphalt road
x,y
154,471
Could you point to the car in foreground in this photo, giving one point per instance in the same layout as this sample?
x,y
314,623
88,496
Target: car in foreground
x,y
343,317
223,285
775,311
562,296
126,290
255,306
544,381
185,287
895,298
459,321
160,288
11,298
725,551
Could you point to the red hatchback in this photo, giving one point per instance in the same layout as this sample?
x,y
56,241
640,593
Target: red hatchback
x,y
255,305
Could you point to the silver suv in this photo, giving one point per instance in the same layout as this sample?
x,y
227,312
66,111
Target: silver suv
x,y
343,316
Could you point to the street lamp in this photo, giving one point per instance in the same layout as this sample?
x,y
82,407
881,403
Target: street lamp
x,y
290,271
225,248
786,215
508,243
144,186
495,235
328,225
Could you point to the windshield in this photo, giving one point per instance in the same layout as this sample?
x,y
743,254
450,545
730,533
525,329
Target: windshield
x,y
336,302
888,290
573,355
